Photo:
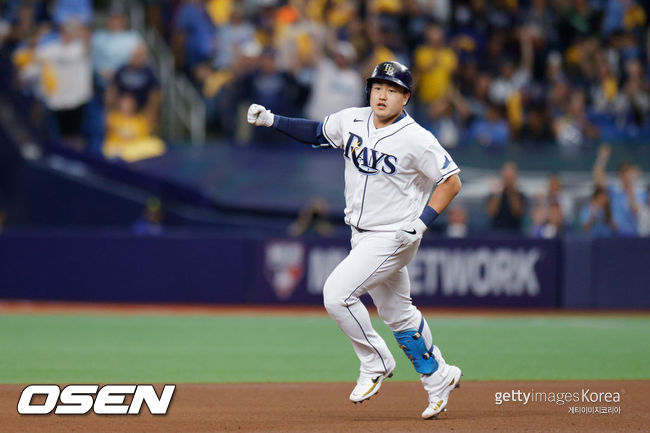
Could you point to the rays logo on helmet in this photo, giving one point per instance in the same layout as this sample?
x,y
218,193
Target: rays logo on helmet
x,y
389,69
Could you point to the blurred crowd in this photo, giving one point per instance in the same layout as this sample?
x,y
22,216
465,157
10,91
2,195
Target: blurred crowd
x,y
531,72
615,207
534,72
91,73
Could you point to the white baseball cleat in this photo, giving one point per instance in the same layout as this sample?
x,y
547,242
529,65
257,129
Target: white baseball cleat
x,y
439,385
368,385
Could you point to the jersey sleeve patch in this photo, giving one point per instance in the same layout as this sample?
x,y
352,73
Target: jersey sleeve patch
x,y
435,163
446,175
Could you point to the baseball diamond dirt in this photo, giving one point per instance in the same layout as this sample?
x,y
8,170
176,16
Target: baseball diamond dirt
x,y
324,407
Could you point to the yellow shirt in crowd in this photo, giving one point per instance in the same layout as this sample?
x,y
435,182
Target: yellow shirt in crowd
x,y
434,67
129,138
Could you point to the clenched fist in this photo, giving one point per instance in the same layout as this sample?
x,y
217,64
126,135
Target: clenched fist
x,y
259,116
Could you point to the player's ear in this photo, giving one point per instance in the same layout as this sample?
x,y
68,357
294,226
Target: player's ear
x,y
407,99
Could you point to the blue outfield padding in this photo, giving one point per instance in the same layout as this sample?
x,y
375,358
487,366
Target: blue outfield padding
x,y
123,268
207,267
606,273
621,272
577,273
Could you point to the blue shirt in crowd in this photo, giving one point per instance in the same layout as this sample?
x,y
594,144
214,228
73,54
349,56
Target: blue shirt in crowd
x,y
194,21
79,10
138,82
599,228
489,134
625,219
112,50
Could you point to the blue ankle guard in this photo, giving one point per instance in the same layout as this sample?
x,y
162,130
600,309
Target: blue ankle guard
x,y
413,345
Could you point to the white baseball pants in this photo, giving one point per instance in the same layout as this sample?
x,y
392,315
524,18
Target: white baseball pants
x,y
376,265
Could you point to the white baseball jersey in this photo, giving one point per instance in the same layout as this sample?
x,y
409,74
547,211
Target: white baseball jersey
x,y
389,172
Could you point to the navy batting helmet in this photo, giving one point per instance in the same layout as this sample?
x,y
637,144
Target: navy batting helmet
x,y
393,72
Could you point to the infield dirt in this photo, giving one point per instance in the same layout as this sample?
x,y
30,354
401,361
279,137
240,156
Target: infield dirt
x,y
324,407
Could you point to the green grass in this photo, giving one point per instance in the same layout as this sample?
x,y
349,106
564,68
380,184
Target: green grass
x,y
193,348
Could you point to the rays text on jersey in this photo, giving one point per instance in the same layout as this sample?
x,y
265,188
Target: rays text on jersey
x,y
368,161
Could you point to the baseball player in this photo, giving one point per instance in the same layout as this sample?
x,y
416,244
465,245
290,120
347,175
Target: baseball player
x,y
391,166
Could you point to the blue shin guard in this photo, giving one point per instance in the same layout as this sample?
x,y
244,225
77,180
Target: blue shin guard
x,y
413,345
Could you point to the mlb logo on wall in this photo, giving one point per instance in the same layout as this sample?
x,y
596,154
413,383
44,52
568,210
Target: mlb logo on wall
x,y
284,267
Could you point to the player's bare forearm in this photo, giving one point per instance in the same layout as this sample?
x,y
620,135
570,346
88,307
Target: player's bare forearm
x,y
445,193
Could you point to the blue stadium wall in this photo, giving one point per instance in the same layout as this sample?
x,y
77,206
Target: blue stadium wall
x,y
213,268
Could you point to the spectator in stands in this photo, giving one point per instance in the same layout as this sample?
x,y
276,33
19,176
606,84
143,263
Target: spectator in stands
x,y
66,80
336,84
506,205
509,81
193,38
28,29
434,66
604,88
556,88
573,128
128,133
456,222
447,116
578,20
313,218
299,41
633,104
279,91
491,131
628,197
541,22
113,47
596,217
477,100
495,48
219,88
150,222
138,80
548,222
644,217
17,23
231,38
76,10
555,193
622,15
5,29
537,127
